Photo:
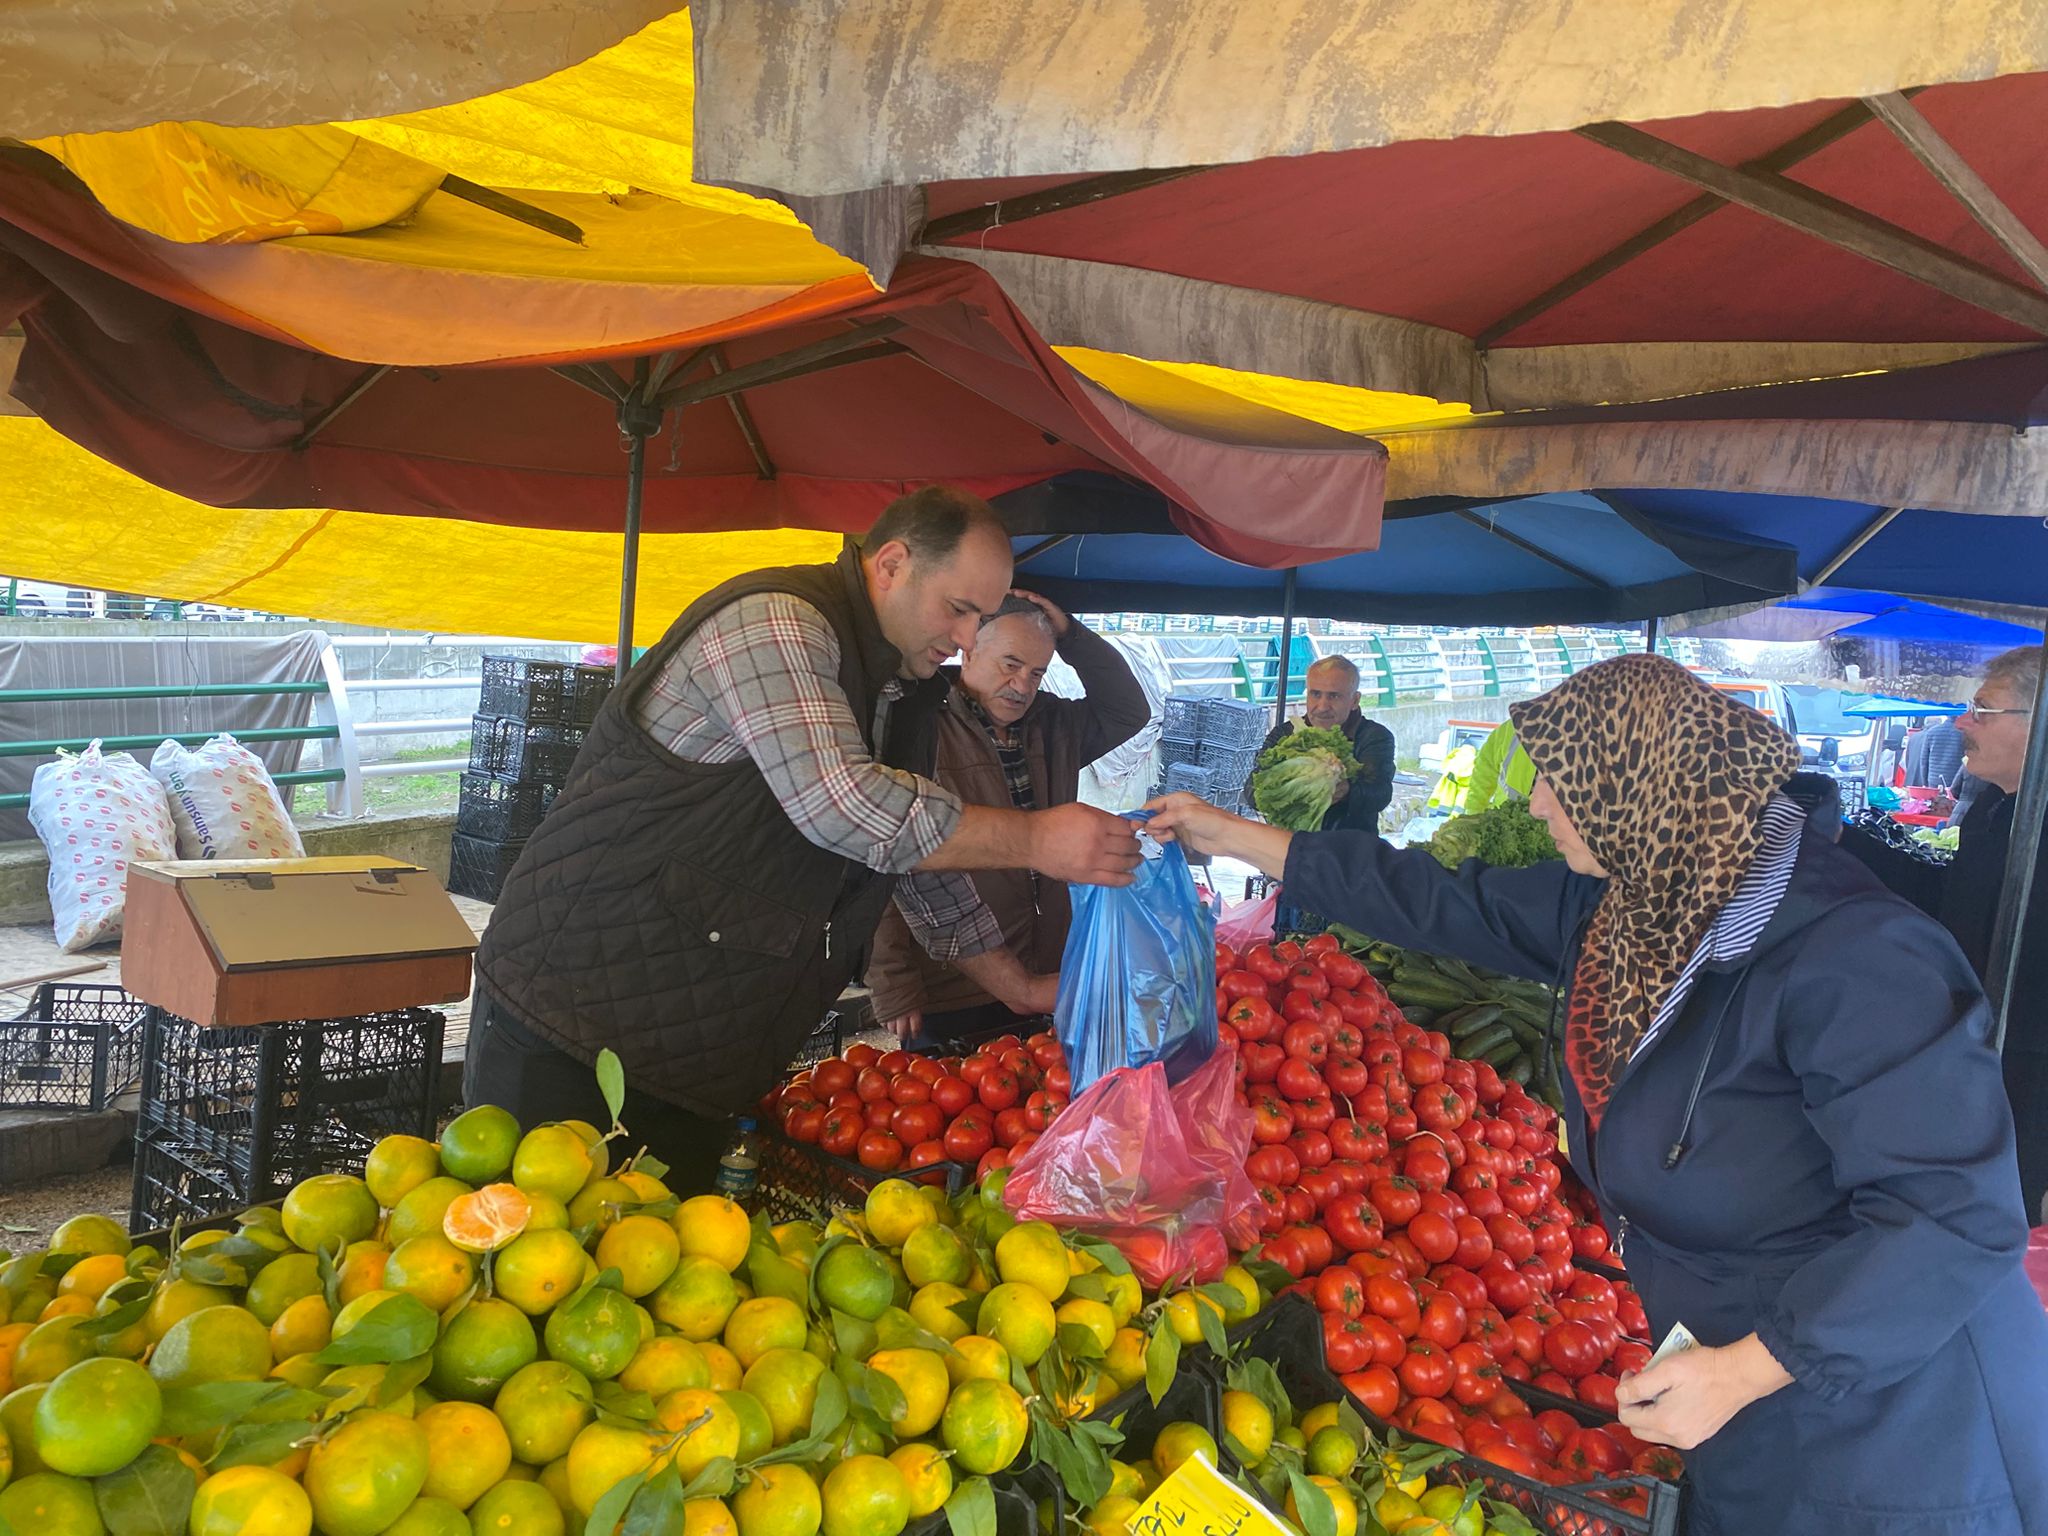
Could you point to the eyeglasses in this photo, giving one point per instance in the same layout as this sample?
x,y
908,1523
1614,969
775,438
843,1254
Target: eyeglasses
x,y
1979,712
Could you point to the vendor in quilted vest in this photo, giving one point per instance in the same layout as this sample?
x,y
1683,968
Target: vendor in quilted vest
x,y
745,808
1002,741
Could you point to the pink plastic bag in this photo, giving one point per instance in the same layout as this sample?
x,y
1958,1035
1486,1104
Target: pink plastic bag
x,y
1158,1171
2036,1261
1249,922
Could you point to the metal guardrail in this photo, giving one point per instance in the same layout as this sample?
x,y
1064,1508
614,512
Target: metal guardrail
x,y
333,726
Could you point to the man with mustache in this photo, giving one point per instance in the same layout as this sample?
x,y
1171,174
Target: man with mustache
x,y
1001,742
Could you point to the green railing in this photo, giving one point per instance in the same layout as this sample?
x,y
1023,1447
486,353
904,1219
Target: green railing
x,y
329,702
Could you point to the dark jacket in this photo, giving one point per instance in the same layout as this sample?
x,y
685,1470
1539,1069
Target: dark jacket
x,y
1963,896
1846,1191
1373,790
671,910
1060,737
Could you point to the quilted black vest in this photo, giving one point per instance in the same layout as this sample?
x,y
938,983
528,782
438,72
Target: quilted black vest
x,y
671,910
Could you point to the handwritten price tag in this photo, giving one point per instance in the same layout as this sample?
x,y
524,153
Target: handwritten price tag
x,y
1197,1500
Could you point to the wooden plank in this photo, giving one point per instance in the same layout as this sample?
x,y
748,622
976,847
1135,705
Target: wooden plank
x,y
1784,157
1946,164
1838,223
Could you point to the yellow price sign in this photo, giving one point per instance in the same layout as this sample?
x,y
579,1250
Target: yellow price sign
x,y
1197,1500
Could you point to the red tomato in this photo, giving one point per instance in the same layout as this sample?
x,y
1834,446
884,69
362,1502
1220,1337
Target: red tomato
x,y
1440,1108
1434,1235
1301,1206
974,1069
1511,1236
1475,1243
829,1077
1311,1147
909,1088
952,1094
1396,1199
969,1136
1421,1065
1298,1079
1590,1239
1286,1251
1346,1075
1659,1461
1379,1259
1628,1311
999,1089
1298,1007
1341,1292
1012,1126
1272,1210
1226,958
1477,1376
872,1084
1317,1245
861,1056
1320,1185
925,1153
1273,1164
1318,1112
1263,963
1392,1298
1528,1337
805,1124
1389,1344
1485,1325
1354,1140
1307,976
1597,1391
1377,1389
1352,1222
879,1114
1424,1162
1443,1321
1039,1109
1345,1345
1252,1017
1426,1369
1572,1350
880,1151
914,1123
841,1131
1461,1283
1630,1356
927,1068
993,1159
1593,1452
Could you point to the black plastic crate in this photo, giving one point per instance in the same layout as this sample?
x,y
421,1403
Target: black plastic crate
x,y
1289,1337
519,749
1194,1398
799,1182
501,810
1181,717
543,692
256,1109
179,1182
1018,1495
1234,723
76,1047
477,868
825,1041
1187,778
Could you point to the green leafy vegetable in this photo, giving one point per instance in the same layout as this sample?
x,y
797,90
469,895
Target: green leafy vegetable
x,y
1297,778
1505,836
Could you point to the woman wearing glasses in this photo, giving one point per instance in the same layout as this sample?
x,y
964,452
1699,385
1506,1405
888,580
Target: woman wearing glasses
x,y
1778,1087
1963,894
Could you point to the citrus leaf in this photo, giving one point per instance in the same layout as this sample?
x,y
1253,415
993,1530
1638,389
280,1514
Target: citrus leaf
x,y
828,1409
1162,1361
651,1165
714,1481
657,1509
211,1405
259,1445
611,1082
123,1316
1212,1329
604,1518
1077,1341
1107,1254
151,1496
1272,1278
1508,1520
971,1511
886,1396
401,1378
400,1327
330,1276
1318,1514
1089,1287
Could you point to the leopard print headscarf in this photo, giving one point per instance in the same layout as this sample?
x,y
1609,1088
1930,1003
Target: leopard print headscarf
x,y
1666,779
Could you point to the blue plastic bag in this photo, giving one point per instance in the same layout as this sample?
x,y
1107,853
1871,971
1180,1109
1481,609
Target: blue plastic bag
x,y
1138,980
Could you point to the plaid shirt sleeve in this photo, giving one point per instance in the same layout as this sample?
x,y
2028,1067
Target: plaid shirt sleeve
x,y
760,679
947,916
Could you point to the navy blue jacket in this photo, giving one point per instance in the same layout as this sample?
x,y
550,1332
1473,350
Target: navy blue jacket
x,y
1846,1190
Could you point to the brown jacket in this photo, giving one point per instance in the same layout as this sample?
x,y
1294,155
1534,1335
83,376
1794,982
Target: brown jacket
x,y
1061,736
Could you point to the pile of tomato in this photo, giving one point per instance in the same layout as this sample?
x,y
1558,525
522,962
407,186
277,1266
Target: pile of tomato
x,y
892,1110
1420,1201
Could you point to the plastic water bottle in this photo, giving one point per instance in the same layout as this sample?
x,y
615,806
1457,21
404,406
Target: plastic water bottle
x,y
740,1169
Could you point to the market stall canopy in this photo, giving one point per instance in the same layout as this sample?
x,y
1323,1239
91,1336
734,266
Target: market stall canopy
x,y
1846,613
1597,263
809,413
1883,706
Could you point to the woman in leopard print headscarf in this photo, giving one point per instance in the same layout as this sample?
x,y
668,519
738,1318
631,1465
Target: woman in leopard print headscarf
x,y
1663,782
1779,1088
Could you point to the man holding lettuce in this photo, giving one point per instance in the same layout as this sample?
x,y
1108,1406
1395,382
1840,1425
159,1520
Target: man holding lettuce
x,y
1331,696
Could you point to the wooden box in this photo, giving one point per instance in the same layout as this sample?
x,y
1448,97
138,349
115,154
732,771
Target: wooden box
x,y
258,941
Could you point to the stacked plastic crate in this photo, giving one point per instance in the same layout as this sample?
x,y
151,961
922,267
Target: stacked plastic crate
x,y
1232,732
532,717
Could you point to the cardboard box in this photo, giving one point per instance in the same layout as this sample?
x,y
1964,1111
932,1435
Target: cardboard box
x,y
258,941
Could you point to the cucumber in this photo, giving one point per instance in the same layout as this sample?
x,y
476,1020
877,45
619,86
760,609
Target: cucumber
x,y
1474,1047
1470,1021
1529,1034
1438,999
1520,1070
1415,1014
1504,1053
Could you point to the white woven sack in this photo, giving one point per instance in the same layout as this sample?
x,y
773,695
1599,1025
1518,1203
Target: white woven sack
x,y
224,802
96,814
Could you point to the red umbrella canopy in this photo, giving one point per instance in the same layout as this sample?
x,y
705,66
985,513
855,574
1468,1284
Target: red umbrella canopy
x,y
766,421
1612,262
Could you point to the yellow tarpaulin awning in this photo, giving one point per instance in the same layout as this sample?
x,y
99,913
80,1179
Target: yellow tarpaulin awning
x,y
76,519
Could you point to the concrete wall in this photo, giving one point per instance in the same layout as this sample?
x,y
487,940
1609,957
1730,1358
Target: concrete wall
x,y
420,839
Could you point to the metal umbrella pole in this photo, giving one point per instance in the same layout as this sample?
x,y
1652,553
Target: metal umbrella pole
x,y
1286,648
1650,635
639,419
2029,813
